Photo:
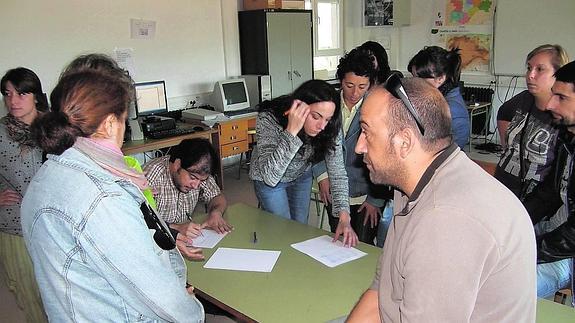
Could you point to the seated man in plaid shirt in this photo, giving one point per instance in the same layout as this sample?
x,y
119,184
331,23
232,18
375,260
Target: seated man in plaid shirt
x,y
179,180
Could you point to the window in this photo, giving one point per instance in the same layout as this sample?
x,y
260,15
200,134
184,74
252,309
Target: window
x,y
327,28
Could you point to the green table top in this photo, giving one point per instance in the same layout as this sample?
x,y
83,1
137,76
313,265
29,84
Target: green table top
x,y
299,288
551,312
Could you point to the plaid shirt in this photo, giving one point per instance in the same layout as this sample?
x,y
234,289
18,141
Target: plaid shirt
x,y
173,205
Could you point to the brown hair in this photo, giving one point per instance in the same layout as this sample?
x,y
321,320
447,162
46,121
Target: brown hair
x,y
559,56
433,111
96,62
85,99
25,81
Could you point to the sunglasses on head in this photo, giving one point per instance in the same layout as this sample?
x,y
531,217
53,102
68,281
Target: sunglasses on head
x,y
394,86
162,236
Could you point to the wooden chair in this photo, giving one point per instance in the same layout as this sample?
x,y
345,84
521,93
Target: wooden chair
x,y
489,167
248,154
320,209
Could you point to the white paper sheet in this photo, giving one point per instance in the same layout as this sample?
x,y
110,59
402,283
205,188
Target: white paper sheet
x,y
125,59
243,259
208,239
328,253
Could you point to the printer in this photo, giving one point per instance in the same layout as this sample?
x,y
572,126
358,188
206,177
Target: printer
x,y
157,123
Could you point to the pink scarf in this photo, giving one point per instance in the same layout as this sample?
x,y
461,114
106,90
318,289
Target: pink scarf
x,y
111,158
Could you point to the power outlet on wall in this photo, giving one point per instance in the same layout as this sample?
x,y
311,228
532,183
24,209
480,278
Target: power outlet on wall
x,y
179,102
202,99
185,101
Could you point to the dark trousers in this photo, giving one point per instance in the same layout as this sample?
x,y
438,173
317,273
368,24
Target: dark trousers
x,y
364,233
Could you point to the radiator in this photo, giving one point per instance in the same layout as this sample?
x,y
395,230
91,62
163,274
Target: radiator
x,y
477,94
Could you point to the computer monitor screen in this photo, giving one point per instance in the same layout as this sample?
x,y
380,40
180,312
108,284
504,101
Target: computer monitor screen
x,y
230,95
234,92
151,98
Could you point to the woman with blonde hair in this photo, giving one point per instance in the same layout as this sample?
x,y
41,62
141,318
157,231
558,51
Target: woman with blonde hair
x,y
525,127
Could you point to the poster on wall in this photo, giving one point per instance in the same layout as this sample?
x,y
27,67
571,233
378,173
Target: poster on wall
x,y
377,13
467,25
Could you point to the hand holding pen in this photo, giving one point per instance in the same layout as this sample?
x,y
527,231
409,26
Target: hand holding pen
x,y
297,114
187,231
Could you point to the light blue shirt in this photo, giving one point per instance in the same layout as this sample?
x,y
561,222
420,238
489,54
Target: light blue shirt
x,y
94,257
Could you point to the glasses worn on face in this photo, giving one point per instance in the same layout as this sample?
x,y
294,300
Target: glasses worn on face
x,y
162,236
195,176
394,86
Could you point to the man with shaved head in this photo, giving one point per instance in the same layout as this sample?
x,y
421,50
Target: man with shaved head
x,y
461,247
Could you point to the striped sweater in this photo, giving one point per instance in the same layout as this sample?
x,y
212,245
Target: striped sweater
x,y
281,157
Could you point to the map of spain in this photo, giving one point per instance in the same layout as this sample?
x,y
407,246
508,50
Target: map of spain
x,y
468,12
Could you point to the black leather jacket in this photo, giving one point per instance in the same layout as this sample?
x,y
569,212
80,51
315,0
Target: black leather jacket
x,y
545,200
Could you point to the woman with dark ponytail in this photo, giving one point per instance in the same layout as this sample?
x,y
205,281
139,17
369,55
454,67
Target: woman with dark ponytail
x,y
379,59
20,159
442,68
293,132
100,252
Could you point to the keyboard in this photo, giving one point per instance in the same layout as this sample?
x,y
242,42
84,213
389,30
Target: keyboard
x,y
170,133
240,113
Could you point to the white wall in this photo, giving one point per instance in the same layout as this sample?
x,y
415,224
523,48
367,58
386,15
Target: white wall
x,y
405,42
196,41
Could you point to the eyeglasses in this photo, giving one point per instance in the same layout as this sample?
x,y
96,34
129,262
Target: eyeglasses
x,y
394,86
162,236
194,176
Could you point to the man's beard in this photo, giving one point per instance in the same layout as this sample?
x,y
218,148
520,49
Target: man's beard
x,y
561,124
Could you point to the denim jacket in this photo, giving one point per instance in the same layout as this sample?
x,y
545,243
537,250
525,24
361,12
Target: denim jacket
x,y
459,117
94,257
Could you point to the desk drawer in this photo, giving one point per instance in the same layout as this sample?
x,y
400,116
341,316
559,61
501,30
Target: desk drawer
x,y
234,148
233,131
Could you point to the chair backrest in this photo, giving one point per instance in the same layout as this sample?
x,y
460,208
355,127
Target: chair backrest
x,y
489,167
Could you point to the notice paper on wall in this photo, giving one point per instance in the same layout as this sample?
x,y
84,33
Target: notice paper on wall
x,y
142,29
327,252
243,259
208,239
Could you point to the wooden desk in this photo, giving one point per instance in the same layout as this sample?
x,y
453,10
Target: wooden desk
x,y
141,146
234,137
299,289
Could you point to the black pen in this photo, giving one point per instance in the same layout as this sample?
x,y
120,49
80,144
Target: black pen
x,y
255,237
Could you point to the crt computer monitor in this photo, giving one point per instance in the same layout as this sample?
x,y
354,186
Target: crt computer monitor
x,y
230,95
151,98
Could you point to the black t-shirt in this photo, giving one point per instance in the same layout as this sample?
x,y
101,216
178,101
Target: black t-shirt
x,y
531,129
507,111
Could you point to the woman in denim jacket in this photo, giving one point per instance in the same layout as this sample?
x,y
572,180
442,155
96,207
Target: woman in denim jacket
x,y
94,255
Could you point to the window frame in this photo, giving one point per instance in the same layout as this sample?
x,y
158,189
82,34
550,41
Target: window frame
x,y
339,51
333,51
